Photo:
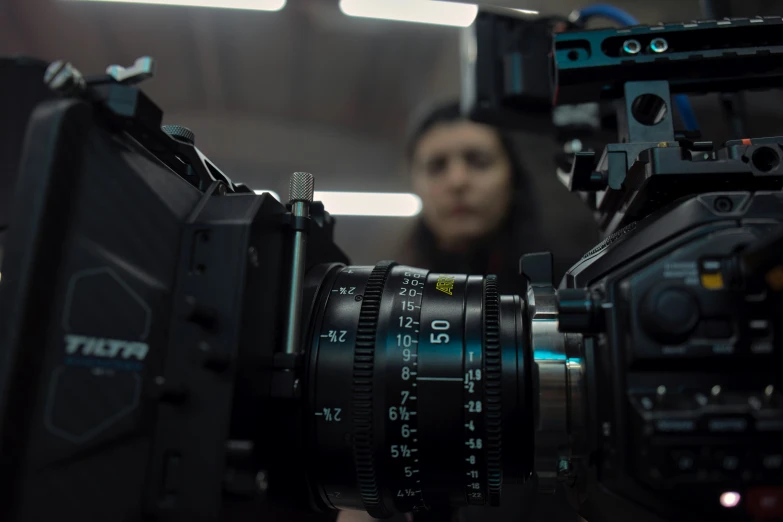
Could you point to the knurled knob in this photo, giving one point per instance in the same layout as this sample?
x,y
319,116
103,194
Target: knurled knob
x,y
301,187
180,133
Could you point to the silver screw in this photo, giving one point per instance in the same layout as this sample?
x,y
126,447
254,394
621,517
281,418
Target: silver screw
x,y
659,45
715,391
632,46
64,78
769,391
661,391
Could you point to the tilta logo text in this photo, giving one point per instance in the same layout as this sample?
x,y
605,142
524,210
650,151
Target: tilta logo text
x,y
99,347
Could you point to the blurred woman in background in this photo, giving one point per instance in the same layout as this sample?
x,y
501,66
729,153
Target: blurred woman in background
x,y
480,211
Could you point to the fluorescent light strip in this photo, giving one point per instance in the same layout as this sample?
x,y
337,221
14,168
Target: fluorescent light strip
x,y
251,5
384,204
421,11
370,203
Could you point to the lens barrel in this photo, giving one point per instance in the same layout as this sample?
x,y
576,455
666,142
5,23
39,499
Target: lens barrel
x,y
418,390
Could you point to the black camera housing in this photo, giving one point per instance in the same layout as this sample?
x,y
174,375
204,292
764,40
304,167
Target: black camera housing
x,y
125,237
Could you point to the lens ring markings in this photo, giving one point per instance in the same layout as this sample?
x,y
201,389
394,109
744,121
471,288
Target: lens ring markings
x,y
405,290
440,384
473,395
332,413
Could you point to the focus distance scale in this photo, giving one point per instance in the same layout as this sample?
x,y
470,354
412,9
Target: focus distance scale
x,y
402,360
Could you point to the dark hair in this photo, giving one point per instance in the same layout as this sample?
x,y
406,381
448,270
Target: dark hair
x,y
517,234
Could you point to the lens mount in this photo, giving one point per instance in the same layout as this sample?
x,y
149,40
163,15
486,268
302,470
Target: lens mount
x,y
559,404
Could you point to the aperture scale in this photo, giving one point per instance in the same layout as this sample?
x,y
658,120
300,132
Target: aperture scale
x,y
405,291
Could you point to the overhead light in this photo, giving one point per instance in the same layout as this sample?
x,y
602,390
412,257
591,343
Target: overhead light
x,y
526,11
252,5
386,204
422,11
370,203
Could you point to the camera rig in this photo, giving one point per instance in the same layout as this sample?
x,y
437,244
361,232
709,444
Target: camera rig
x,y
641,189
638,69
172,351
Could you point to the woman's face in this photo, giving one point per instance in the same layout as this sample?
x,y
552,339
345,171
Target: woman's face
x,y
464,179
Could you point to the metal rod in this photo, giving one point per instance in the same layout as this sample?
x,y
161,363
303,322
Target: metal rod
x,y
301,195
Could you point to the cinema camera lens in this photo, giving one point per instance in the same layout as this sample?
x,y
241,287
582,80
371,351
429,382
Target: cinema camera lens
x,y
420,390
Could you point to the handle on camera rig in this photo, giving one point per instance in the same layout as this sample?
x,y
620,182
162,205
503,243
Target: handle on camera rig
x,y
128,108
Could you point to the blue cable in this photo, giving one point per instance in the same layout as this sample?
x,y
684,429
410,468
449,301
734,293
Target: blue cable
x,y
624,18
610,12
686,112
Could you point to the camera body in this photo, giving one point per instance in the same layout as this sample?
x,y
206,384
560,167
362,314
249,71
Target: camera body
x,y
678,412
144,301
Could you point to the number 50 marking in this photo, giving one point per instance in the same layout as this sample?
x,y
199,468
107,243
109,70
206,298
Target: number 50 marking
x,y
441,338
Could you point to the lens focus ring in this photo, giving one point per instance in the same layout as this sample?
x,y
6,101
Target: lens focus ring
x,y
364,355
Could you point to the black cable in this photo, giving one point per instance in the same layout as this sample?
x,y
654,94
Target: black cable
x,y
707,10
735,112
